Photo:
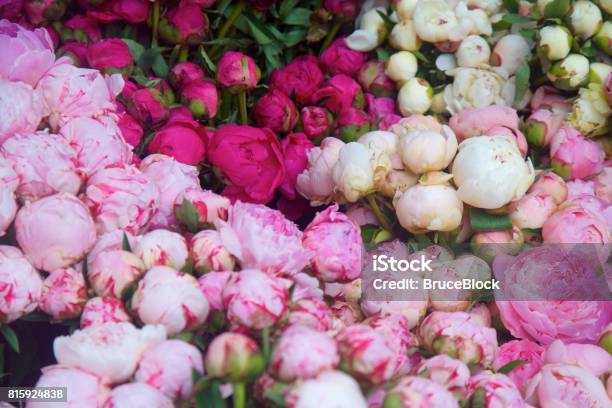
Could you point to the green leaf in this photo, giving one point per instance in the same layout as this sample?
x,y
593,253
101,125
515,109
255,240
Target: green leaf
x,y
128,293
209,396
272,53
479,398
299,17
188,215
482,221
11,337
515,19
589,52
507,368
421,57
557,9
511,5
188,267
160,67
388,22
275,398
528,33
286,6
368,232
209,64
294,37
522,83
125,244
136,49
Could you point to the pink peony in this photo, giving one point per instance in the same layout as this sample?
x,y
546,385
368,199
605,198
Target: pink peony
x,y
130,129
111,351
26,54
341,91
83,388
561,385
573,156
186,24
112,272
316,182
446,371
317,122
111,55
301,353
573,224
338,58
476,122
395,329
209,206
603,184
132,11
311,312
419,392
588,356
184,73
55,231
275,111
45,164
64,293
577,188
84,28
254,299
212,284
542,125
329,389
74,50
594,205
132,395
298,79
100,310
374,80
237,72
148,106
295,148
532,210
525,350
498,390
334,259
201,97
20,285
170,298
351,124
262,238
8,204
233,357
551,184
162,248
168,367
121,197
549,97
209,254
21,109
183,140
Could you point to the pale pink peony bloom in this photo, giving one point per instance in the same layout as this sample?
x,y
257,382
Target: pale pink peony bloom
x,y
311,312
161,248
133,395
330,389
603,184
21,109
579,187
560,385
337,246
20,285
573,224
304,286
100,310
8,204
83,388
413,310
168,366
476,122
361,215
543,124
573,156
45,164
170,298
25,54
64,293
172,179
111,241
525,350
112,272
254,299
316,183
262,238
498,389
111,350
209,206
421,392
70,92
594,205
55,231
97,142
552,184
588,356
233,357
209,254
396,332
9,180
301,353
212,284
458,334
446,371
121,197
532,210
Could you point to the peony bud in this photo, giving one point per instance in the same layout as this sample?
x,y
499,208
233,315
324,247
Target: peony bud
x,y
100,310
20,285
137,394
415,391
448,372
573,156
22,109
209,254
276,111
415,97
568,384
316,183
299,79
590,111
340,59
402,66
233,357
148,106
403,37
474,51
429,208
110,56
112,272
317,122
328,386
373,78
494,390
184,73
584,18
555,42
130,129
64,293
170,298
542,125
588,356
532,210
183,140
525,350
574,224
311,312
605,339
570,73
352,123
162,248
603,38
201,97
510,52
598,72
237,72
425,151
551,184
203,205
185,25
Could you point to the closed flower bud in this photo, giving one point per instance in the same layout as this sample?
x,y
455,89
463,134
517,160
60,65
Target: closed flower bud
x,y
275,111
404,8
416,391
100,310
603,38
425,151
473,52
85,389
415,97
339,59
352,123
329,387
403,37
185,72
555,42
446,371
316,183
134,394
569,384
311,312
184,140
532,210
598,72
590,111
542,125
112,272
209,254
573,156
341,91
201,97
317,122
148,106
584,18
570,73
373,78
208,206
110,56
184,25
494,390
233,357
551,184
402,66
20,285
237,72
161,248
298,79
510,52
212,284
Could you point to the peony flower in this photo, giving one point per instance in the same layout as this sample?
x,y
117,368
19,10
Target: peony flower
x,y
592,204
459,335
275,111
209,254
186,25
404,37
577,188
131,11
573,156
497,390
415,97
21,109
316,121
182,140
302,353
254,299
110,56
20,285
551,184
351,124
299,79
429,207
112,272
590,110
510,52
532,210
45,164
316,183
588,356
476,122
330,389
64,293
602,38
137,394
554,42
543,124
473,52
111,350
560,384
250,158
201,97
295,148
168,366
569,73
311,312
55,231
27,54
524,350
416,391
603,184
584,19
490,172
184,73
374,79
574,224
340,59
209,207
121,197
212,284
262,238
476,88
130,129
170,298
446,371
425,151
341,91
342,8
233,356
100,310
237,72
148,106
171,178
83,389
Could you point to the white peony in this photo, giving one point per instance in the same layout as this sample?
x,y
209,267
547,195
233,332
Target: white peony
x,y
555,42
429,208
415,97
474,51
477,88
425,151
584,18
402,66
591,112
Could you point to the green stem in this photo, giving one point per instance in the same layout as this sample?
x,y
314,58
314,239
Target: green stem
x,y
184,53
330,36
155,23
265,343
244,118
239,395
382,218
231,19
